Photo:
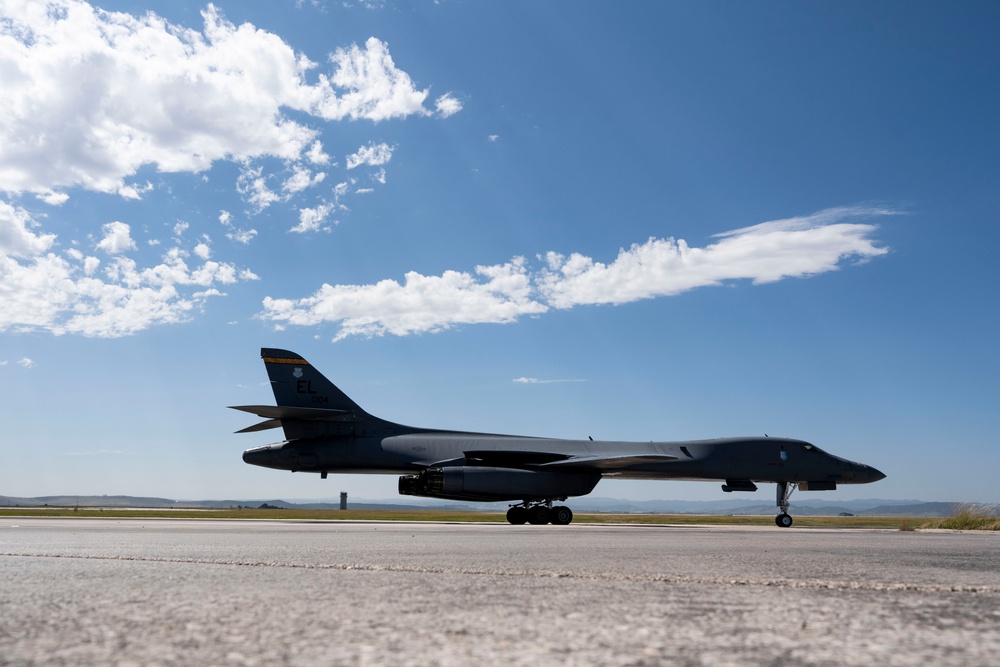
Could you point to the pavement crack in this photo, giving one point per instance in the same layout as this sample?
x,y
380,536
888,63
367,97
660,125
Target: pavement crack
x,y
651,577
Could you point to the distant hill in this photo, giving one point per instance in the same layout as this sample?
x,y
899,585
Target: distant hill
x,y
806,507
166,503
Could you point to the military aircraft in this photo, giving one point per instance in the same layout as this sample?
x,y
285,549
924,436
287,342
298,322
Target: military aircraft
x,y
327,432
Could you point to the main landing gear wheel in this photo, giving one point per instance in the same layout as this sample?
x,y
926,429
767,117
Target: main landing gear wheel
x,y
561,515
783,520
517,515
539,515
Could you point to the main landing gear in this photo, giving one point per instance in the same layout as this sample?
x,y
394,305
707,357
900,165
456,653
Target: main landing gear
x,y
784,519
539,513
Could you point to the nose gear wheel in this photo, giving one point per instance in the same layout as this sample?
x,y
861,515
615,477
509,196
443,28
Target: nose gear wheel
x,y
784,519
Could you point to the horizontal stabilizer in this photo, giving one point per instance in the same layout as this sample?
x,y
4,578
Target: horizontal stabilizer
x,y
263,426
274,414
289,412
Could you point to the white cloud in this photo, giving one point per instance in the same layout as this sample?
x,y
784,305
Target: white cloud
x,y
52,198
301,179
117,238
447,105
493,138
313,219
253,186
763,253
16,237
134,190
203,251
421,304
243,236
372,154
375,89
528,380
26,362
316,154
237,235
90,96
41,291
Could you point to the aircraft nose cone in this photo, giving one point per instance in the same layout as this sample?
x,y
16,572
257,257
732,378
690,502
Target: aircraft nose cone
x,y
874,474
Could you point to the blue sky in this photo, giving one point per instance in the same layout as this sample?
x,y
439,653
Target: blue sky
x,y
643,221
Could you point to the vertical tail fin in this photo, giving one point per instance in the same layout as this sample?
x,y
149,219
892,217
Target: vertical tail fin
x,y
297,384
308,405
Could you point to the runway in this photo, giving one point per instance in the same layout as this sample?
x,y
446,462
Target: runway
x,y
186,592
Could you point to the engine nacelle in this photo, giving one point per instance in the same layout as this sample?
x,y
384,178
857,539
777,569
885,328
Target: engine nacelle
x,y
494,484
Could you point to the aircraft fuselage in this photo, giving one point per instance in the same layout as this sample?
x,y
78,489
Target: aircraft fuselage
x,y
326,432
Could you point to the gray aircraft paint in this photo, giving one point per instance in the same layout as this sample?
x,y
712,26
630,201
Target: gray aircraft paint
x,y
327,432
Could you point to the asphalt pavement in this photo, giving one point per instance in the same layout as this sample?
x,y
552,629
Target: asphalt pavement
x,y
188,592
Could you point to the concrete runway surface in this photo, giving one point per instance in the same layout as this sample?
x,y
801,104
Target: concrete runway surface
x,y
187,592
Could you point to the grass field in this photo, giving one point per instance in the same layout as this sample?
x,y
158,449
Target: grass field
x,y
899,523
971,517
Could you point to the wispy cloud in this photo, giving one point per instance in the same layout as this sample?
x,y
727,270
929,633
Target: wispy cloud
x,y
236,235
72,293
527,380
764,253
301,179
447,105
313,219
372,154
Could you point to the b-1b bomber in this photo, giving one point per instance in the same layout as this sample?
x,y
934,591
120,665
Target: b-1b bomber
x,y
326,432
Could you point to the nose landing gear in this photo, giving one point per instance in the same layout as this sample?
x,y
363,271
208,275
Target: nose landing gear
x,y
539,513
784,519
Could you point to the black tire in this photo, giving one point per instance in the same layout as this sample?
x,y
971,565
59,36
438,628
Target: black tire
x,y
561,515
783,520
517,515
539,515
